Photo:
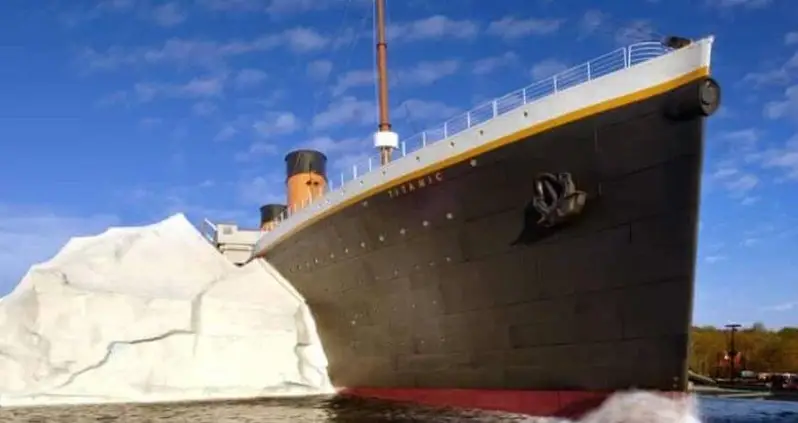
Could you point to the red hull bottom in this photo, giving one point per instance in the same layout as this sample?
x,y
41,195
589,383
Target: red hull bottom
x,y
567,404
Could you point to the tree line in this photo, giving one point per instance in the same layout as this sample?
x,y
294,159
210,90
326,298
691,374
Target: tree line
x,y
760,349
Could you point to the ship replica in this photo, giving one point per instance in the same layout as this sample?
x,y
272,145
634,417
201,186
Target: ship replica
x,y
534,255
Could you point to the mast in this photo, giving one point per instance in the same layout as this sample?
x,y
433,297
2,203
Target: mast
x,y
384,139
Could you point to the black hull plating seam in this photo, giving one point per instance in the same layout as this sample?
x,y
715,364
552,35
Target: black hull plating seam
x,y
429,289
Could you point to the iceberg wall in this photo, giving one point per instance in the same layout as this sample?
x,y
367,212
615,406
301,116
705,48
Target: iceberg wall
x,y
154,313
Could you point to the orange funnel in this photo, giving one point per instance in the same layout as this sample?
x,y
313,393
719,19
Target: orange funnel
x,y
306,177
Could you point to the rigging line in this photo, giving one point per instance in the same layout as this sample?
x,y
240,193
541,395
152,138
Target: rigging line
x,y
411,120
374,69
338,35
355,38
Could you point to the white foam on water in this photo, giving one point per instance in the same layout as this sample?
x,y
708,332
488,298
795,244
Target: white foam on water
x,y
644,407
150,314
635,407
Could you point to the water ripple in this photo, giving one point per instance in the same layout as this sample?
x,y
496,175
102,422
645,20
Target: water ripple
x,y
346,410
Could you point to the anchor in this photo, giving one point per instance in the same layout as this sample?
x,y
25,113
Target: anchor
x,y
557,199
555,202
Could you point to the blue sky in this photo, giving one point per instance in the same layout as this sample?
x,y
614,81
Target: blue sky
x,y
125,111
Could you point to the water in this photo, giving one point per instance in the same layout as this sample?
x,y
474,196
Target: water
x,y
349,410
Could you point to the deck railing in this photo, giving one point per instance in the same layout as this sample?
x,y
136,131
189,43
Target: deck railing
x,y
614,61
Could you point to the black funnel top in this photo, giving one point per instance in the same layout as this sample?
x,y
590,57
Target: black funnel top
x,y
305,161
270,212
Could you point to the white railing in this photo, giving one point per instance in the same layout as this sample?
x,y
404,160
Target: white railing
x,y
614,61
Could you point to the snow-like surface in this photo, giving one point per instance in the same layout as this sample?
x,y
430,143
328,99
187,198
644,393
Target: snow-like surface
x,y
154,313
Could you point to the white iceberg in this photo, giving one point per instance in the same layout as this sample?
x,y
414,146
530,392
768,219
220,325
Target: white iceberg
x,y
154,313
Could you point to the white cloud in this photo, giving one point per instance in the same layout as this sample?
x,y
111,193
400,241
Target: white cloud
x,y
489,64
319,69
278,7
353,79
346,110
636,31
190,199
788,306
424,111
779,75
200,87
742,184
305,39
233,5
256,151
331,147
546,69
744,158
169,14
510,28
783,158
785,107
736,181
262,190
427,72
29,235
114,98
725,172
730,174
150,122
204,108
748,201
98,10
225,133
247,78
208,54
791,38
749,4
750,242
275,123
591,21
350,110
740,140
422,73
433,27
715,259
287,7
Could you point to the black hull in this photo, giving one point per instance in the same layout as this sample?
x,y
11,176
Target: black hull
x,y
455,285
